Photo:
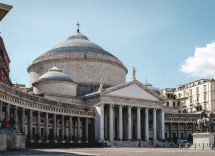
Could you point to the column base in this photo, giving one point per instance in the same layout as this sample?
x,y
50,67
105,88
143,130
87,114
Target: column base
x,y
70,141
63,141
47,141
87,141
39,141
79,141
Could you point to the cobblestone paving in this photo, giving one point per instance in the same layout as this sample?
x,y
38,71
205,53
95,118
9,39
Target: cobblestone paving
x,y
113,152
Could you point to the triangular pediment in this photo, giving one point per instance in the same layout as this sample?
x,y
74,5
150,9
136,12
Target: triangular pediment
x,y
133,90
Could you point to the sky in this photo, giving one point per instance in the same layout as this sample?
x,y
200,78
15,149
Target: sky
x,y
169,42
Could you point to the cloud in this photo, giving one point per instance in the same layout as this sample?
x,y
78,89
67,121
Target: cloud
x,y
202,64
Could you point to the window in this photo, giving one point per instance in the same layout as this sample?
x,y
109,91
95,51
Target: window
x,y
197,90
178,104
190,92
191,100
167,103
184,93
197,98
173,104
204,88
205,97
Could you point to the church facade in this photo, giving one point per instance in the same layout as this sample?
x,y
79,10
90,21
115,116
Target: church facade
x,y
78,94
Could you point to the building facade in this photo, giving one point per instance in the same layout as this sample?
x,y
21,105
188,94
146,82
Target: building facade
x,y
192,97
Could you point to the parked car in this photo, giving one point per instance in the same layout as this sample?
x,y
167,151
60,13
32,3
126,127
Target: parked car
x,y
183,143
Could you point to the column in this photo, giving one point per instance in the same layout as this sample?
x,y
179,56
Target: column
x,y
70,129
120,123
30,125
138,124
7,112
55,127
86,129
23,121
178,134
129,123
101,122
106,124
62,128
16,117
78,129
170,131
185,130
38,126
46,127
111,122
146,124
154,125
1,111
163,125
194,128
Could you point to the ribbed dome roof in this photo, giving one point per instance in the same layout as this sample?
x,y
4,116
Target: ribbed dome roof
x,y
55,74
75,44
156,90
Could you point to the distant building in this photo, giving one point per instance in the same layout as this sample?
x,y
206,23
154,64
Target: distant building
x,y
4,9
191,97
4,58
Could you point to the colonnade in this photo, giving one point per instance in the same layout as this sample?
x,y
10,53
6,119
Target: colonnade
x,y
179,130
121,122
48,127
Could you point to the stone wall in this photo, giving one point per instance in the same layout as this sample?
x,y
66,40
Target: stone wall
x,y
55,87
83,71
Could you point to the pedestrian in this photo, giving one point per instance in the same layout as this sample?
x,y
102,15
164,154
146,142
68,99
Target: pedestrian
x,y
139,144
5,123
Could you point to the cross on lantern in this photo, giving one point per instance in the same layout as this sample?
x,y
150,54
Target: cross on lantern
x,y
78,25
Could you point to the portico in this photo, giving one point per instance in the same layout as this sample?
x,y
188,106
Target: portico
x,y
127,116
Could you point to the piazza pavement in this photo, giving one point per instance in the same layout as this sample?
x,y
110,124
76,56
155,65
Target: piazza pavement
x,y
112,152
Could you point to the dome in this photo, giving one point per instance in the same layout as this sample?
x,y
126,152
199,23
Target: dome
x,y
82,60
55,74
77,43
156,90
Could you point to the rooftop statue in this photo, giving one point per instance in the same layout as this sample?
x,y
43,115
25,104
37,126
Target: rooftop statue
x,y
134,73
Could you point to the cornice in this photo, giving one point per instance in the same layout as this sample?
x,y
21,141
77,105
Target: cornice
x,y
80,59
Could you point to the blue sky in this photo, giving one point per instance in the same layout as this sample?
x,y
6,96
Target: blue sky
x,y
155,36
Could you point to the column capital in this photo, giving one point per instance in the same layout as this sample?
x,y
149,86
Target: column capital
x,y
121,106
101,104
130,106
138,107
111,105
154,109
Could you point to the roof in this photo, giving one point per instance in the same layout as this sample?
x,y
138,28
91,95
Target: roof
x,y
151,87
4,9
77,43
55,74
114,88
